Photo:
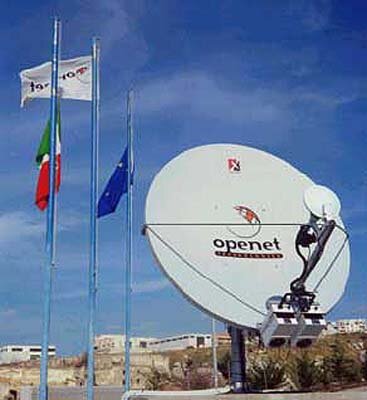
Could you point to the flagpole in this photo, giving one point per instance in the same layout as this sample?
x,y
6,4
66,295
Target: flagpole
x,y
129,212
50,233
93,217
214,354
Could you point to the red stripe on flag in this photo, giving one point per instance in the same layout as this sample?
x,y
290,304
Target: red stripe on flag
x,y
42,192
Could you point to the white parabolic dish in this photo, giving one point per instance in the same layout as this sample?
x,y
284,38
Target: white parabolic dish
x,y
229,270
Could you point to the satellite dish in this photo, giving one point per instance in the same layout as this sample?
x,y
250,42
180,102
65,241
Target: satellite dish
x,y
222,219
322,202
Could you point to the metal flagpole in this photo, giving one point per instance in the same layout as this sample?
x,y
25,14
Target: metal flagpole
x,y
129,212
93,217
214,354
50,233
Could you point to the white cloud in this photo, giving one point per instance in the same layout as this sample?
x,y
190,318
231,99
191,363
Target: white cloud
x,y
355,213
150,286
202,95
358,231
18,326
71,295
137,288
71,220
7,313
20,231
324,98
17,226
314,14
110,21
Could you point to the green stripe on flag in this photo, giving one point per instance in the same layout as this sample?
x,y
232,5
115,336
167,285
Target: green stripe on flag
x,y
44,146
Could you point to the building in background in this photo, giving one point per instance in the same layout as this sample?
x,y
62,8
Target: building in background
x,y
181,342
351,326
116,343
16,353
111,343
222,339
330,329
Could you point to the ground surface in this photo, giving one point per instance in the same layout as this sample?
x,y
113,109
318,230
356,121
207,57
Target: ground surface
x,y
354,394
115,393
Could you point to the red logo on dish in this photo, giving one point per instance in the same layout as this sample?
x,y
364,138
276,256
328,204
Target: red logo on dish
x,y
234,165
249,215
252,224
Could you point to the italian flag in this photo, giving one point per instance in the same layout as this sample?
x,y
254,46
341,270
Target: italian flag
x,y
43,161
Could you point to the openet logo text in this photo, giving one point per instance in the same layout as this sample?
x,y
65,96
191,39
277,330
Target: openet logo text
x,y
247,249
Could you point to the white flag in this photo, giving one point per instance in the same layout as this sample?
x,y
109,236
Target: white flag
x,y
75,80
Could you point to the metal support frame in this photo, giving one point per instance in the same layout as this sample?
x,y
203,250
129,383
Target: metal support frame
x,y
299,297
238,360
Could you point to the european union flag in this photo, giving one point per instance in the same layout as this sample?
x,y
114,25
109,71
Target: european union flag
x,y
115,188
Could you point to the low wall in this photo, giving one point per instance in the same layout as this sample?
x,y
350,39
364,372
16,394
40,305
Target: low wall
x,y
73,393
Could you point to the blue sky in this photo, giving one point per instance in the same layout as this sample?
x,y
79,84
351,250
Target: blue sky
x,y
287,77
